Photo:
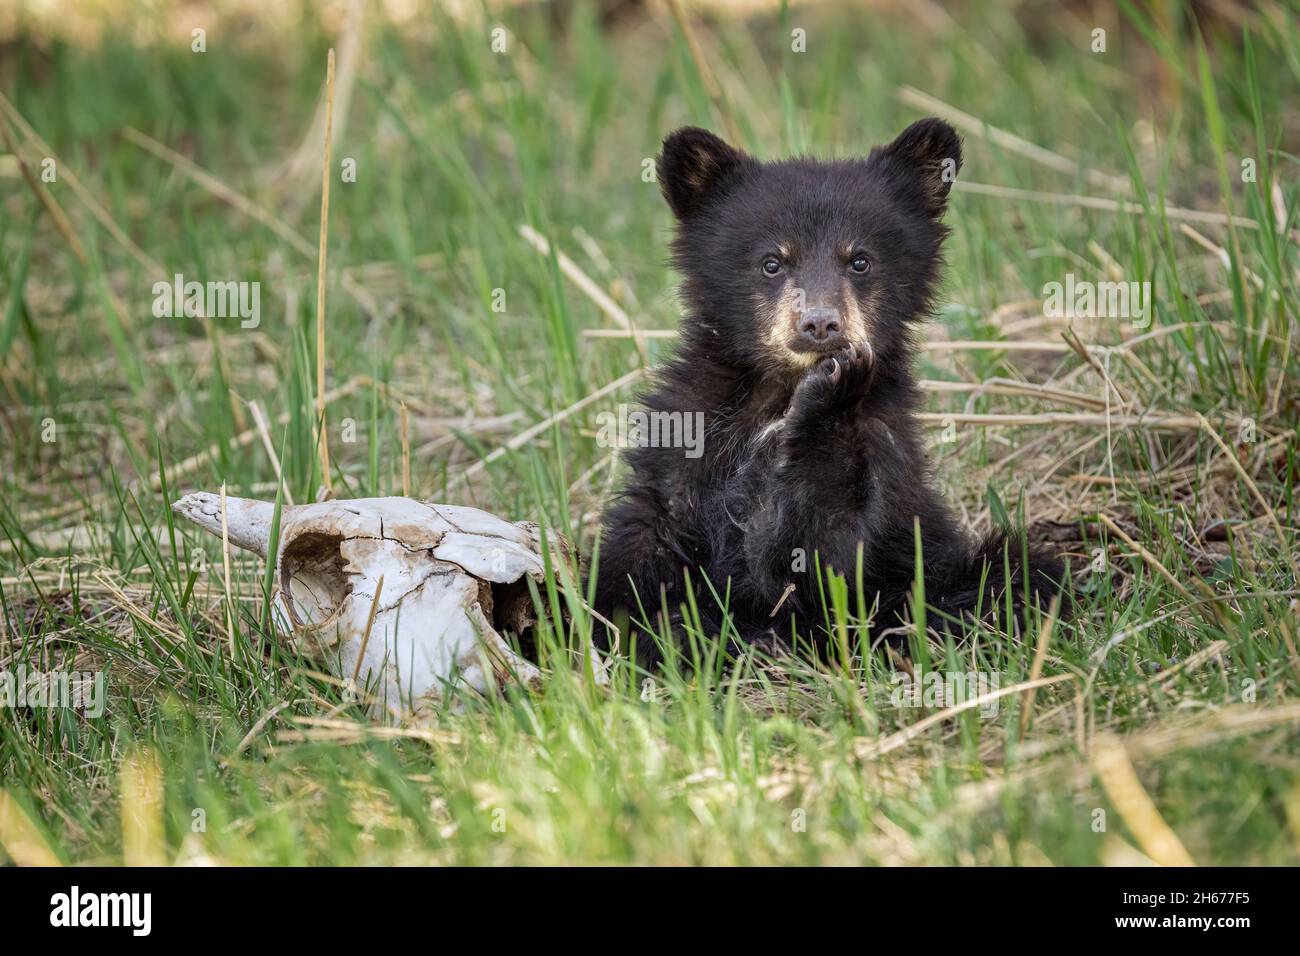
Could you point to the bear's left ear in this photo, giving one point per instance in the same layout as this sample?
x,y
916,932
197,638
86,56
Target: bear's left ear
x,y
929,152
693,166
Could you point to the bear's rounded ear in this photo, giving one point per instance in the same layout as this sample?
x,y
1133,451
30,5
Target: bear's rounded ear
x,y
929,151
693,165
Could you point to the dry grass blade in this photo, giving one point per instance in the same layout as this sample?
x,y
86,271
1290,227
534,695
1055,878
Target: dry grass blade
x,y
320,276
705,69
1135,806
150,265
1036,668
526,436
346,731
259,422
1282,541
406,451
997,386
1152,422
219,189
1211,610
57,215
872,749
1102,204
586,284
370,623
1009,141
225,565
21,839
302,161
199,459
262,721
143,840
1082,350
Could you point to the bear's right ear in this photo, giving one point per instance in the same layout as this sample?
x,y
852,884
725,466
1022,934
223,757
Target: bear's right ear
x,y
693,164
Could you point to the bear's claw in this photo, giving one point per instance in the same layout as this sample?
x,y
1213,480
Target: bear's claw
x,y
852,361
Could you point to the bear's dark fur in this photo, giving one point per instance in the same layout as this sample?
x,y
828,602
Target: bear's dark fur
x,y
804,281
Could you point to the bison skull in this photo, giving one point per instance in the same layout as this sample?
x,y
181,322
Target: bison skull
x,y
453,578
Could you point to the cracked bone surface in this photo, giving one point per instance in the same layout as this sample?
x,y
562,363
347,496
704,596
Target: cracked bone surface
x,y
454,578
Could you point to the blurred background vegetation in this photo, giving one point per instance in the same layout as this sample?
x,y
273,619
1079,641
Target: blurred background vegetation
x,y
472,148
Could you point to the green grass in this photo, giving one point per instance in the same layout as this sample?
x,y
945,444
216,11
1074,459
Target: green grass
x,y
455,147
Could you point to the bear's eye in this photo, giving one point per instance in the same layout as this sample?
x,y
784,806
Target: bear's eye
x,y
771,266
860,264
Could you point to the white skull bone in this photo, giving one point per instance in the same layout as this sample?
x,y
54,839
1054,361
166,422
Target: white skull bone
x,y
453,577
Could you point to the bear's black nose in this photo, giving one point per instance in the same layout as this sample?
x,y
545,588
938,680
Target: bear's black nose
x,y
818,325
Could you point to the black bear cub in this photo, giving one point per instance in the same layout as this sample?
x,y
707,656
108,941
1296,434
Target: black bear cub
x,y
804,282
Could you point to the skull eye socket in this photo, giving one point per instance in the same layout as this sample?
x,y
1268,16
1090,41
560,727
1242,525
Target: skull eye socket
x,y
314,585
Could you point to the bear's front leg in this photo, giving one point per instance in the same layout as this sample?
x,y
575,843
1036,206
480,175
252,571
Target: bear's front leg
x,y
827,491
825,432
